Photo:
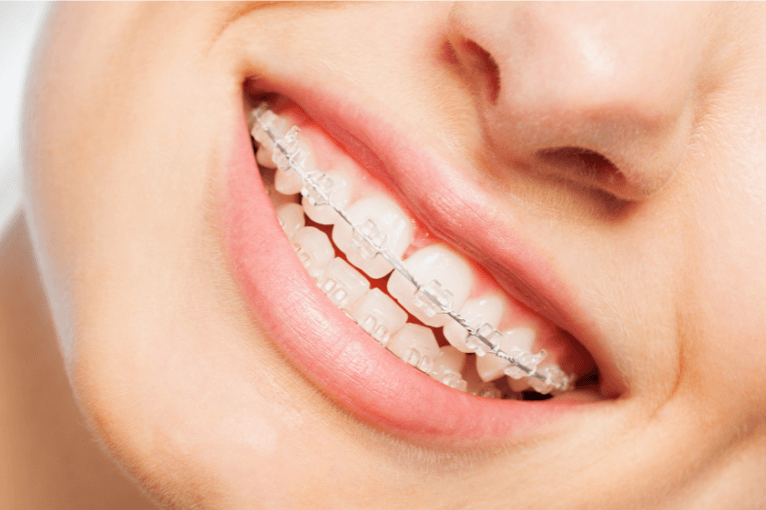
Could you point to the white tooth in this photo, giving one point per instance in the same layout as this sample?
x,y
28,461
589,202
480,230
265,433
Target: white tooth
x,y
343,284
291,219
374,212
445,274
486,309
474,384
314,249
340,193
416,345
288,181
490,367
447,367
276,124
263,157
518,385
379,315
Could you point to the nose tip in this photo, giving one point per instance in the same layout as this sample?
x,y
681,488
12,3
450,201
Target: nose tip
x,y
580,92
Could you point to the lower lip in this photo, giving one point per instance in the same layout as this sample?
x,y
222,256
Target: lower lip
x,y
335,353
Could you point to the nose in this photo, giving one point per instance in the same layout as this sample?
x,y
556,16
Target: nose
x,y
598,95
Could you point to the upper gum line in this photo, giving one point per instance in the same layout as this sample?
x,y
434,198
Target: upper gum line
x,y
363,185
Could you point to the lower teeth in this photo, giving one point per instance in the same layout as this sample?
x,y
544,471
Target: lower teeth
x,y
348,289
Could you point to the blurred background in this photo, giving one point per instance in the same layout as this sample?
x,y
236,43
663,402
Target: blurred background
x,y
20,24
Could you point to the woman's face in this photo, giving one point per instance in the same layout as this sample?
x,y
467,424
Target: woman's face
x,y
598,169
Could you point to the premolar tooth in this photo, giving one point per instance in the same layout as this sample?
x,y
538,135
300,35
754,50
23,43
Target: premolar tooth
x,y
416,345
443,275
340,192
314,249
474,384
379,315
381,219
492,367
343,284
291,219
447,367
486,309
287,180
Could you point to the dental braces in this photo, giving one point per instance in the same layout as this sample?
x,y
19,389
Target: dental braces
x,y
370,241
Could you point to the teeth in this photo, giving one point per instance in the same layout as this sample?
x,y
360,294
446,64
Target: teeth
x,y
287,180
263,157
443,274
382,231
487,309
340,193
416,345
475,386
492,367
379,315
291,219
278,127
447,367
314,249
343,284
382,220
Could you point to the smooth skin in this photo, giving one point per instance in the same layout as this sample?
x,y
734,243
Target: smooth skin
x,y
627,139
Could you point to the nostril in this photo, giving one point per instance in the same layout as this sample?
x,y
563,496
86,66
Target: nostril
x,y
482,62
583,165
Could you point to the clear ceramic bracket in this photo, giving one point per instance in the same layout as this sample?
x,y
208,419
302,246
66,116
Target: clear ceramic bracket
x,y
371,242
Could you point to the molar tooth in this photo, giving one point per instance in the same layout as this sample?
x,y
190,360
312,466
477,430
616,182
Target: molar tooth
x,y
264,158
314,249
486,309
340,193
379,315
379,218
343,284
274,123
492,367
291,219
447,367
442,273
416,345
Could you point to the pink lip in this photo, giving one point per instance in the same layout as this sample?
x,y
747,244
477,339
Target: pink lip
x,y
329,347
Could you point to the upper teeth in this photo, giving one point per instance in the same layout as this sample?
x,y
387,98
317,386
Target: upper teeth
x,y
432,284
435,263
389,223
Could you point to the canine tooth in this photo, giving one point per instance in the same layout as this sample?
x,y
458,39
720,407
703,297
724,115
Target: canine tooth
x,y
380,218
379,315
492,367
340,193
343,284
443,275
415,345
486,309
314,249
291,219
447,367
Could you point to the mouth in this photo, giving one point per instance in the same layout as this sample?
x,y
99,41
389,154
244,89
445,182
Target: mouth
x,y
385,278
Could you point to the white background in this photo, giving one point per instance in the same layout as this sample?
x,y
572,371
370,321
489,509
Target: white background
x,y
20,23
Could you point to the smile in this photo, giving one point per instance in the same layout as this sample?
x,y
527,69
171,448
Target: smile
x,y
362,278
373,235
